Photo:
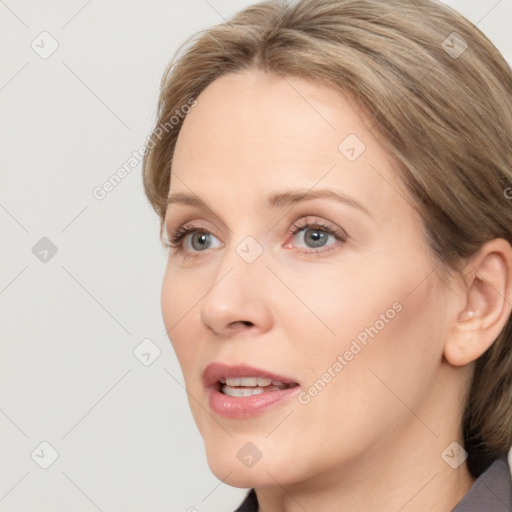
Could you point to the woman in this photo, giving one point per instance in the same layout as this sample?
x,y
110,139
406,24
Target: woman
x,y
331,177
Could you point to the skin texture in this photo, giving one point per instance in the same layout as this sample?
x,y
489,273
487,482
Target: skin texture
x,y
372,438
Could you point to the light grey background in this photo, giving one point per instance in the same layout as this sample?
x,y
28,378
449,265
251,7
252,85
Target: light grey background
x,y
124,435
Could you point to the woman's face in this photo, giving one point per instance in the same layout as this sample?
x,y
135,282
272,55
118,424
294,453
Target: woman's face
x,y
306,265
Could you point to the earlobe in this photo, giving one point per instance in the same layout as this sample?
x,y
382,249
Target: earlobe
x,y
488,303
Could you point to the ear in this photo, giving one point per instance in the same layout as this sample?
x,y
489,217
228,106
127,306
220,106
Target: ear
x,y
488,303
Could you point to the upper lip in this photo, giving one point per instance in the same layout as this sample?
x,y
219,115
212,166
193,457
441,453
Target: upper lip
x,y
216,371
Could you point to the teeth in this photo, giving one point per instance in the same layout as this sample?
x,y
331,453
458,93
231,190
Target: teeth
x,y
240,392
248,391
248,386
250,381
263,381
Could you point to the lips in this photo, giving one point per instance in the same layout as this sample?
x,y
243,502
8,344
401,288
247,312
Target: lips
x,y
243,391
243,375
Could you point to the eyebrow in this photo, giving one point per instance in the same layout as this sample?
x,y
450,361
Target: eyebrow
x,y
278,200
292,197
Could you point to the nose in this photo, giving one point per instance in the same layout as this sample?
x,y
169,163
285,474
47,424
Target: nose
x,y
238,299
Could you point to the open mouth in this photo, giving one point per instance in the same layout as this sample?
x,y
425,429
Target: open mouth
x,y
248,386
240,391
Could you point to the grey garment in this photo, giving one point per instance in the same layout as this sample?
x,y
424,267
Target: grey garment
x,y
491,492
250,503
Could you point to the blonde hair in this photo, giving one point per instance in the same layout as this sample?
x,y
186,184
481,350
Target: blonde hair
x,y
443,110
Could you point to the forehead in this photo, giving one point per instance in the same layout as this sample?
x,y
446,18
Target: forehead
x,y
257,106
258,132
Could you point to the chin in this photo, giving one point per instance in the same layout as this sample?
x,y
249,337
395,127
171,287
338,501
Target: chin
x,y
240,462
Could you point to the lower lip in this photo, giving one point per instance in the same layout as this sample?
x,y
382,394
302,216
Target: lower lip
x,y
247,406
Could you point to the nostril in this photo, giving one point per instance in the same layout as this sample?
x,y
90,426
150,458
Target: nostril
x,y
240,324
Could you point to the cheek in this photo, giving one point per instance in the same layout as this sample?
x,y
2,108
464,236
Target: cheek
x,y
169,293
179,293
386,352
341,303
372,318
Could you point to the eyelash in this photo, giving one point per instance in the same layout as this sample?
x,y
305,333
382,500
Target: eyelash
x,y
175,241
340,236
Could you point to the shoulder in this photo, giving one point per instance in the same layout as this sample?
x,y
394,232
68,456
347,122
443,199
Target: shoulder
x,y
491,492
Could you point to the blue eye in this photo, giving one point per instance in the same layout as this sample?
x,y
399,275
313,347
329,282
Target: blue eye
x,y
315,235
308,235
200,241
195,239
